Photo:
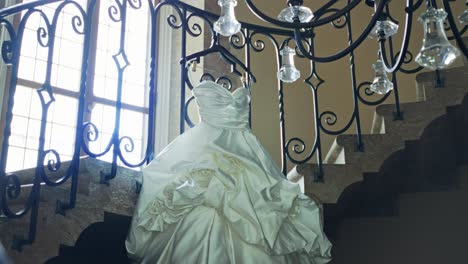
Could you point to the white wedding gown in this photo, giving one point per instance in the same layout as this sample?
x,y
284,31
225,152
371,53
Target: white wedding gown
x,y
214,195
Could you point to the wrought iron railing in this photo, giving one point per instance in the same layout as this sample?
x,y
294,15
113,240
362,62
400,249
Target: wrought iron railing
x,y
193,22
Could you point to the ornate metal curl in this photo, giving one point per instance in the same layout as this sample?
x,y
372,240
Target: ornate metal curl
x,y
42,34
258,45
175,22
187,117
13,191
184,17
129,147
339,22
115,11
54,163
196,29
239,40
331,119
225,82
8,46
299,147
135,4
298,36
13,186
91,132
78,25
368,92
408,58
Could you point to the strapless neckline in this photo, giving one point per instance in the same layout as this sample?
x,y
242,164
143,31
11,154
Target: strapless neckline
x,y
223,89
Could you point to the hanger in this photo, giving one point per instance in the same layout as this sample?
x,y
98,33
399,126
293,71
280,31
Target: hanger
x,y
228,56
228,80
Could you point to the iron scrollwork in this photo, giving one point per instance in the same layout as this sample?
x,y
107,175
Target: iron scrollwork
x,y
193,23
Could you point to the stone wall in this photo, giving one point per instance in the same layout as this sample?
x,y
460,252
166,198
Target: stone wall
x,y
54,229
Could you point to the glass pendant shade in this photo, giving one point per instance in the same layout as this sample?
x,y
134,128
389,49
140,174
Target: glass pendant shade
x,y
381,83
437,52
288,71
304,14
387,27
227,24
464,17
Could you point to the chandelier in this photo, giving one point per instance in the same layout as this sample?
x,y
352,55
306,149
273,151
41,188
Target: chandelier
x,y
436,52
292,34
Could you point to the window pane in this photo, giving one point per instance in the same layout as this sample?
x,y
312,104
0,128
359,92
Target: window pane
x,y
63,139
29,43
30,158
19,129
65,73
134,95
36,106
67,52
69,78
131,124
22,101
33,134
59,130
15,159
26,68
136,48
70,54
40,71
103,116
65,109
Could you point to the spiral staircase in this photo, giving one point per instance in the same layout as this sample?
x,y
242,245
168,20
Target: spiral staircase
x,y
401,200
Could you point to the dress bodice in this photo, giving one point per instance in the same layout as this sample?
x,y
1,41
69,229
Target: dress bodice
x,y
221,108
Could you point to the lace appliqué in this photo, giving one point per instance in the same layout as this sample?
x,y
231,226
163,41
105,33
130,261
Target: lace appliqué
x,y
191,184
229,164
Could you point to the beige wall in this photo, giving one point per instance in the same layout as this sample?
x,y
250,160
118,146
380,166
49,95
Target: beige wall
x,y
336,93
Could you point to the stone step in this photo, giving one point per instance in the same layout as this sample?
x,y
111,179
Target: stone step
x,y
337,178
451,94
391,240
430,229
376,149
434,204
417,116
462,173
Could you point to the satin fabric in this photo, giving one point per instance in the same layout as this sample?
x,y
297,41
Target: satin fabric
x,y
214,195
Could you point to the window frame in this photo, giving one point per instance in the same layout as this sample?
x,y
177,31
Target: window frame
x,y
90,98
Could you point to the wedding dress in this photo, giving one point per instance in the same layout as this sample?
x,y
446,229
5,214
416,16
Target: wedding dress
x,y
214,195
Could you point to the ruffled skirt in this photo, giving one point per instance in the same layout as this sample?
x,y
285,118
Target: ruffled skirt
x,y
215,196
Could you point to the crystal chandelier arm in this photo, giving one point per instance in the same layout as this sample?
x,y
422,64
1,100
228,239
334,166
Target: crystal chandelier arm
x,y
415,6
298,39
322,10
406,38
311,24
453,26
213,16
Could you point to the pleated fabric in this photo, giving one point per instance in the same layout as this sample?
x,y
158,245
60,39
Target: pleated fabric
x,y
214,195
